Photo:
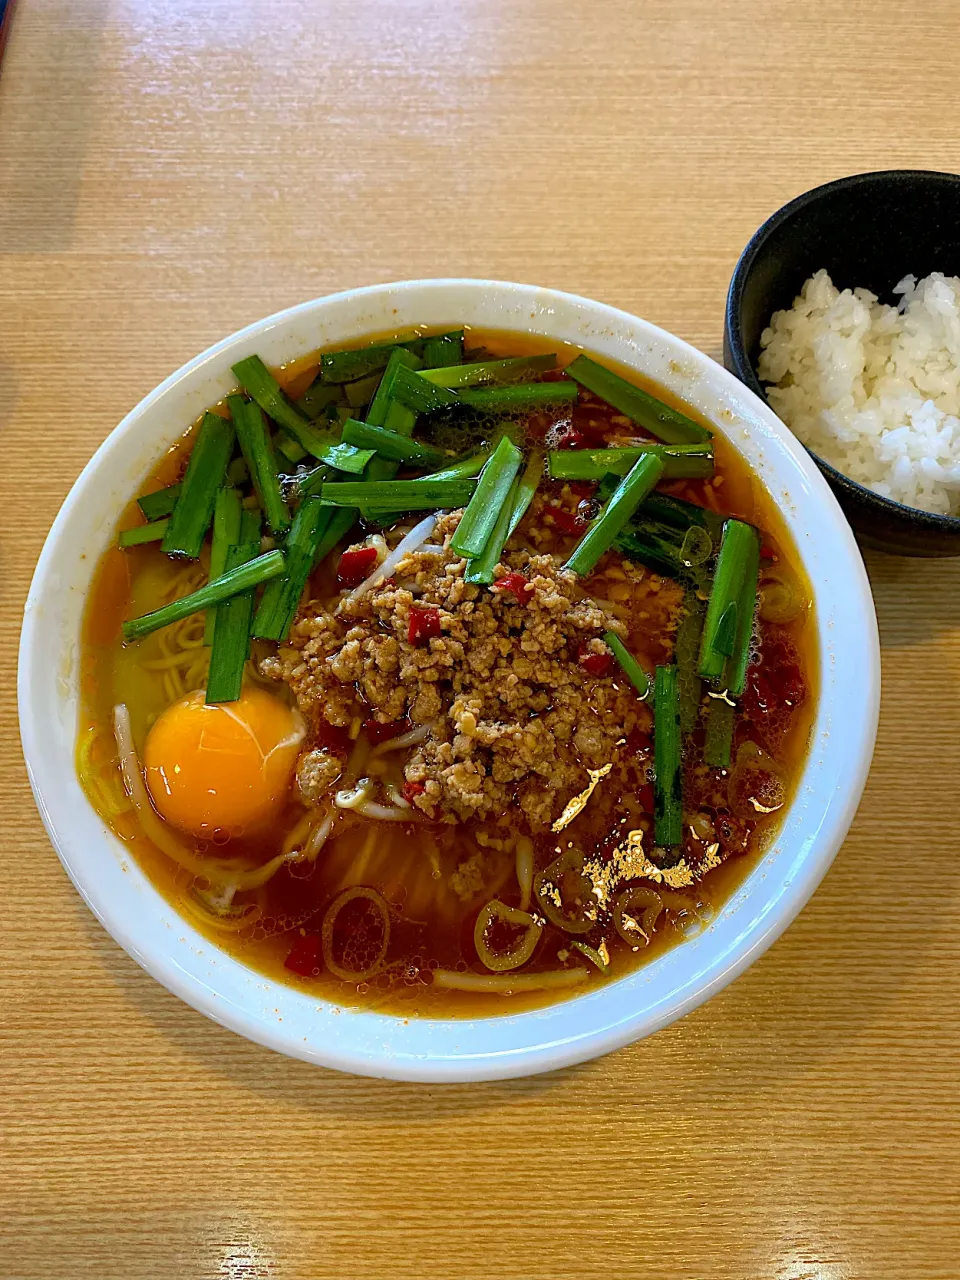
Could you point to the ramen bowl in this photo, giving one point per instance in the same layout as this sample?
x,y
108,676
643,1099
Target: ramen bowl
x,y
295,1021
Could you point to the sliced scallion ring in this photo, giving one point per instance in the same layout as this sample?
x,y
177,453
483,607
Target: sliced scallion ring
x,y
519,951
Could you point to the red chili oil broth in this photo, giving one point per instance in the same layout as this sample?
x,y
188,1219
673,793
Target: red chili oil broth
x,y
410,863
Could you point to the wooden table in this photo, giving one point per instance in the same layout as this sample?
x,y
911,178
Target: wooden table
x,y
171,170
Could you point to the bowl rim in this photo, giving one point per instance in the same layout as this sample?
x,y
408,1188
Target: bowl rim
x,y
553,1036
929,521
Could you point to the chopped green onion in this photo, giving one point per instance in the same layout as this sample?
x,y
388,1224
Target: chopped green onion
x,y
386,412
523,395
627,496
686,654
231,634
668,776
358,362
718,737
270,565
361,393
226,533
484,371
258,450
194,510
681,515
389,444
443,349
729,624
514,509
416,393
496,479
651,544
424,494
237,472
480,568
160,503
281,600
591,953
650,413
380,405
290,450
260,385
344,457
342,520
679,461
318,397
696,548
631,667
142,534
309,483
462,470
736,675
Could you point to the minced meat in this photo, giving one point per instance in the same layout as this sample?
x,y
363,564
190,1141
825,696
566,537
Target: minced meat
x,y
513,716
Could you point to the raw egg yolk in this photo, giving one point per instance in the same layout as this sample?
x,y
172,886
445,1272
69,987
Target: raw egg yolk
x,y
226,767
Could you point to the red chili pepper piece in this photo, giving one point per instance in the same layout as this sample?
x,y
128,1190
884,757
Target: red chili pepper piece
x,y
411,790
354,566
567,521
569,438
377,731
515,583
304,955
424,625
595,431
333,737
638,743
597,664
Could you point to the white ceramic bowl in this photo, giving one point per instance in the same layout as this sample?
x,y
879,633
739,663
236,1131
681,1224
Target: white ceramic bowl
x,y
293,1021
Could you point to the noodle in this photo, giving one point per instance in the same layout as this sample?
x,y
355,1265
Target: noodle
x,y
503,984
525,870
99,780
382,812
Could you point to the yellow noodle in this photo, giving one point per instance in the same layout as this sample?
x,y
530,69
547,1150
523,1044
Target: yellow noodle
x,y
507,984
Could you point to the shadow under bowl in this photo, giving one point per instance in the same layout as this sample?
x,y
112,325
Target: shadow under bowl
x,y
869,230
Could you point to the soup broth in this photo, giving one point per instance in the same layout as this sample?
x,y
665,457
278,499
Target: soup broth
x,y
421,860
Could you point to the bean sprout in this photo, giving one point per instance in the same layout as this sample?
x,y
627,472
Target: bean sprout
x,y
318,838
354,797
393,791
417,535
381,812
408,739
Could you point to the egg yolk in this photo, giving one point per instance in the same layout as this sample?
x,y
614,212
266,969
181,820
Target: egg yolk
x,y
225,767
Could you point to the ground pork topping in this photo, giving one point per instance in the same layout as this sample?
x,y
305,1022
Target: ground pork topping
x,y
513,716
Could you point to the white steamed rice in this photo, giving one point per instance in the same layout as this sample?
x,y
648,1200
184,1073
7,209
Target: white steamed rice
x,y
873,389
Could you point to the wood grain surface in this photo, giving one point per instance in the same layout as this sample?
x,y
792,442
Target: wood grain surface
x,y
173,169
